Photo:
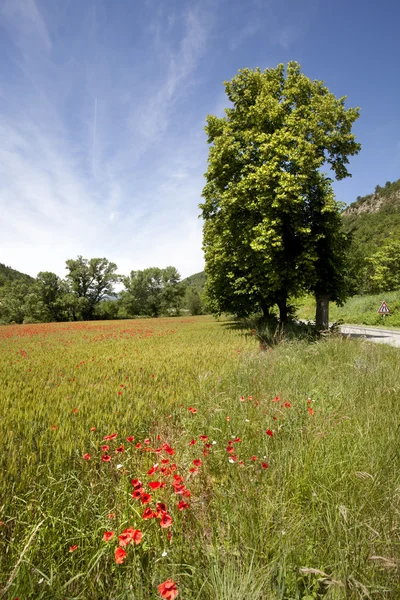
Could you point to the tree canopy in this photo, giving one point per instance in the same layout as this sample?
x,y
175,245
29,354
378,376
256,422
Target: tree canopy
x,y
267,205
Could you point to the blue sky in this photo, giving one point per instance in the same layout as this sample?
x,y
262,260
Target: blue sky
x,y
103,104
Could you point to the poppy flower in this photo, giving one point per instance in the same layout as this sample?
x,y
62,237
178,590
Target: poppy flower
x,y
137,483
237,439
146,498
276,399
192,443
87,456
269,432
287,405
154,485
93,429
105,448
148,514
242,399
253,457
73,548
110,437
108,535
168,449
153,469
130,438
166,520
203,437
146,441
120,449
168,590
182,505
193,470
310,410
197,462
111,515
161,508
138,445
120,555
137,536
106,458
165,461
264,465
137,493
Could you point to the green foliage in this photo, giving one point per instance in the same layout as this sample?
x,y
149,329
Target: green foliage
x,y
152,292
90,281
193,301
269,213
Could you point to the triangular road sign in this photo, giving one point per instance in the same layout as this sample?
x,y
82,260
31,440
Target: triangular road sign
x,y
384,309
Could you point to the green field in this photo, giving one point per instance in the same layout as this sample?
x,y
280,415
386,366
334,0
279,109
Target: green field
x,y
277,469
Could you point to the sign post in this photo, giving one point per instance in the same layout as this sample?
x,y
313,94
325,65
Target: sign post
x,y
383,309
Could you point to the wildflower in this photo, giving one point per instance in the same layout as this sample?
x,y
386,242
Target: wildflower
x,y
136,483
153,469
253,457
120,449
237,439
265,465
148,514
106,458
269,432
182,505
138,445
310,410
93,429
287,405
203,437
130,438
154,485
110,437
87,456
120,555
146,498
168,590
242,399
192,443
168,449
276,399
105,448
54,427
166,520
161,508
111,515
108,535
73,548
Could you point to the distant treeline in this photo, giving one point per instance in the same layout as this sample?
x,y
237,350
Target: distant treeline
x,y
88,292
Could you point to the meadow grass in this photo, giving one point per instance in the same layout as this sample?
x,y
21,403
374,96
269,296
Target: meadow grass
x,y
309,510
361,310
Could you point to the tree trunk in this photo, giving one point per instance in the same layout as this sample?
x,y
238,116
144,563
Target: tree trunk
x,y
283,310
322,311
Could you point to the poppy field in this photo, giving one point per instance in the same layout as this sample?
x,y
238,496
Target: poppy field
x,y
178,458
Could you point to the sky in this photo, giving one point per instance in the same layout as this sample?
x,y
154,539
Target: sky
x,y
103,106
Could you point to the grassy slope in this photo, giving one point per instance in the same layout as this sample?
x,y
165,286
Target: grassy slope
x,y
357,310
329,499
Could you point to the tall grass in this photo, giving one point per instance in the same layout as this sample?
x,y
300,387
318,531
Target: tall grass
x,y
320,521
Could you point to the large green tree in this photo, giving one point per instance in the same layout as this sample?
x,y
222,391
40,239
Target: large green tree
x,y
90,281
267,204
152,291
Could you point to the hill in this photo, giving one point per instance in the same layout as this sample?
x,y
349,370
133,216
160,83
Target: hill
x,y
196,281
7,274
373,222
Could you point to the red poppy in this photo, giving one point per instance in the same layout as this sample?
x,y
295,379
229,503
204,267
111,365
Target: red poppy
x,y
105,448
193,470
120,555
73,548
139,445
154,485
253,457
237,439
148,514
93,429
146,441
137,536
276,399
197,462
269,432
130,438
242,399
264,465
106,458
110,437
166,520
165,461
192,443
287,405
136,483
310,410
108,535
87,456
168,449
182,505
161,508
203,437
168,590
111,515
153,469
146,498
137,493
120,449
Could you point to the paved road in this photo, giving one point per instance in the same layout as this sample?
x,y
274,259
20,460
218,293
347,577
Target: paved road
x,y
373,334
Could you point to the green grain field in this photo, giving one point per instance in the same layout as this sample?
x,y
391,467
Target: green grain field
x,y
238,472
